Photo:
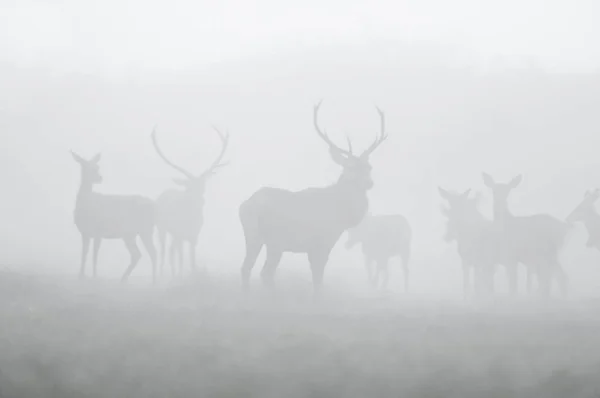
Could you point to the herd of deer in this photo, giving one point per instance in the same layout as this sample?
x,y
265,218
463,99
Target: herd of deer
x,y
312,220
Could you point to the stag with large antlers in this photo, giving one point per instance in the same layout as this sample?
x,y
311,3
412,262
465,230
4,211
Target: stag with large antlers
x,y
534,240
382,237
99,217
180,212
586,213
311,220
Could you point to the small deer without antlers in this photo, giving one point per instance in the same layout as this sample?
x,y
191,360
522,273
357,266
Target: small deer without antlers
x,y
382,237
180,213
99,217
534,240
311,220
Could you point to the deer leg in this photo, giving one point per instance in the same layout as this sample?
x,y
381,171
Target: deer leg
x,y
406,271
172,253
267,273
318,261
529,275
181,257
193,266
511,271
162,240
149,245
134,251
253,249
97,244
382,265
85,247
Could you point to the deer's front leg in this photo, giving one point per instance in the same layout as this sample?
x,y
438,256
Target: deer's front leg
x,y
85,247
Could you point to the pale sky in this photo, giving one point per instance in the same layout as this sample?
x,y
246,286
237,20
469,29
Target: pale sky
x,y
126,36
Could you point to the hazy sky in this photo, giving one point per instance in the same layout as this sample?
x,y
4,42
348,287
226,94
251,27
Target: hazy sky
x,y
124,36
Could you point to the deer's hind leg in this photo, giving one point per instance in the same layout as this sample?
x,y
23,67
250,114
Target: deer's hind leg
x,y
151,249
134,251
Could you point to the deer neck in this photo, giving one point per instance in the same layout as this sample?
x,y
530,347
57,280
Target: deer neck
x,y
351,201
84,195
501,212
592,224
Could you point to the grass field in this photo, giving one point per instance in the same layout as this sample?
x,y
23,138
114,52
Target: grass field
x,y
62,338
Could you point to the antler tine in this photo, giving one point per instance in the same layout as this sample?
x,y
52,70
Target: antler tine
x,y
379,138
349,144
224,144
164,158
324,135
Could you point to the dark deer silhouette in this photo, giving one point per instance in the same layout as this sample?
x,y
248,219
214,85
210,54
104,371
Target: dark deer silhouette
x,y
382,237
180,212
309,221
476,240
586,213
533,240
99,217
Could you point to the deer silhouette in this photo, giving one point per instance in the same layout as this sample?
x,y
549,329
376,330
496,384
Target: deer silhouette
x,y
311,220
533,240
99,216
476,240
382,237
586,213
180,212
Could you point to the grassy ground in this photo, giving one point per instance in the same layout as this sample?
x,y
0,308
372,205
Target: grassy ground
x,y
93,339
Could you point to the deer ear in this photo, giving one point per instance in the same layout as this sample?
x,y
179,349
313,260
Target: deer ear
x,y
488,180
338,157
77,158
96,158
516,181
466,193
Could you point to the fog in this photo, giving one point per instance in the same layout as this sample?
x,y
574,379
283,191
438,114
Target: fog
x,y
467,88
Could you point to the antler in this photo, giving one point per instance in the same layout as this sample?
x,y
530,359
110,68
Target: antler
x,y
217,163
167,161
379,138
325,137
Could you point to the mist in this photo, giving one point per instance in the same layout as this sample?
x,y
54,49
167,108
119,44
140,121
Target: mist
x,y
467,88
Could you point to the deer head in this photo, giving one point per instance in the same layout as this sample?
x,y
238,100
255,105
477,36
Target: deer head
x,y
90,170
460,210
585,208
356,169
500,191
195,183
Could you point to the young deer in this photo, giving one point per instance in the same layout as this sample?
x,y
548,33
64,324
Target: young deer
x,y
534,240
382,237
586,213
180,212
475,237
309,221
99,217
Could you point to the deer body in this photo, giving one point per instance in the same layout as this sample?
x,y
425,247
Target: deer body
x,y
534,240
308,221
382,237
180,212
98,216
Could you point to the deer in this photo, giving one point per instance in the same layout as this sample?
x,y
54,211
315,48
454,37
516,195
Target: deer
x,y
475,237
382,237
586,213
308,221
534,241
180,212
98,216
